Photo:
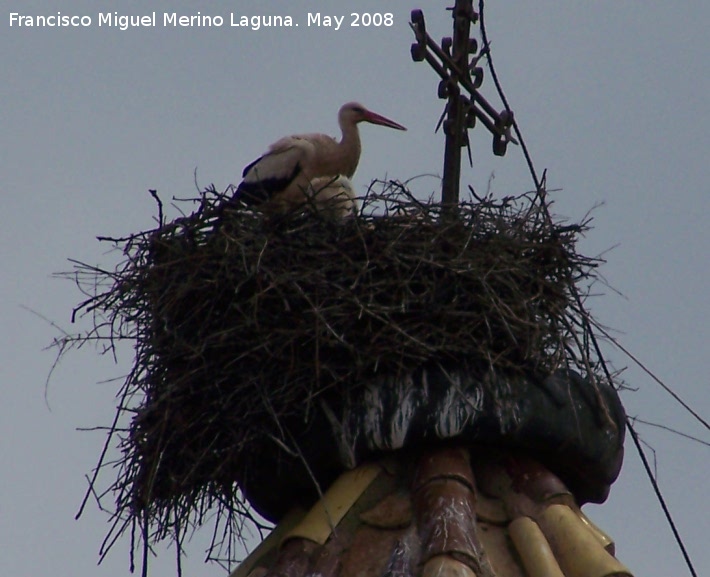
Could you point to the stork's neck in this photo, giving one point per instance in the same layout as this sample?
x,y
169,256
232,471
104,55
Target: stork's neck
x,y
349,148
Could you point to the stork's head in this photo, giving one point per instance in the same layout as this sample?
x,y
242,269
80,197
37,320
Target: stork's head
x,y
354,112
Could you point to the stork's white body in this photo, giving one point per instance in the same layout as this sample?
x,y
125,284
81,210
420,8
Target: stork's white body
x,y
332,198
279,179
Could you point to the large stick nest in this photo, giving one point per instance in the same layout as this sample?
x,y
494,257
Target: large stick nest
x,y
239,323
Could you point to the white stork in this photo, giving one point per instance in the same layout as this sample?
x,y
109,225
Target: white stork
x,y
280,179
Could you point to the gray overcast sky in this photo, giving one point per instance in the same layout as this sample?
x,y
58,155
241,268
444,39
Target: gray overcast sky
x,y
611,97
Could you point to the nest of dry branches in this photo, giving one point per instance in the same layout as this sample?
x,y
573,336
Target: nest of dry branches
x,y
239,323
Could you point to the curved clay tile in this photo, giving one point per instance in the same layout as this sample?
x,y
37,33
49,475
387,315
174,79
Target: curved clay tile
x,y
449,511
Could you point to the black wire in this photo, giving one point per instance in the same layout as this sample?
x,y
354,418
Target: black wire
x,y
646,370
499,88
670,430
661,500
587,325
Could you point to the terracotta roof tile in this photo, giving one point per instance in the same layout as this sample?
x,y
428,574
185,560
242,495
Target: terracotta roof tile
x,y
452,511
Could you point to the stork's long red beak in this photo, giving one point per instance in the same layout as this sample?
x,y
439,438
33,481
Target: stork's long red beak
x,y
374,118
